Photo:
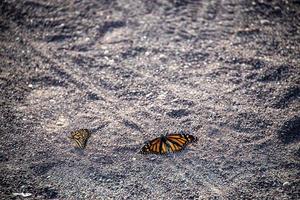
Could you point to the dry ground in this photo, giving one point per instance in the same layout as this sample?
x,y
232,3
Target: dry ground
x,y
226,71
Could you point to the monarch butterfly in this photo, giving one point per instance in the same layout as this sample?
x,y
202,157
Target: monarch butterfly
x,y
80,137
168,143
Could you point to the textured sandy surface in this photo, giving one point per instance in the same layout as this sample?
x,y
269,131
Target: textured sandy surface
x,y
227,72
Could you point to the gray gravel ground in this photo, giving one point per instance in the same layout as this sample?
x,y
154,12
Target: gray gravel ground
x,y
226,71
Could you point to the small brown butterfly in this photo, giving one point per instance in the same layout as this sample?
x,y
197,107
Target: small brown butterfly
x,y
80,137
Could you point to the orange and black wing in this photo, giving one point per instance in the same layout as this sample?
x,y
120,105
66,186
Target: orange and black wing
x,y
152,146
80,137
177,142
182,139
161,145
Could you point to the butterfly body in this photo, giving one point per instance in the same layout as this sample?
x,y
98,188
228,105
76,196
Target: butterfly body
x,y
168,143
80,137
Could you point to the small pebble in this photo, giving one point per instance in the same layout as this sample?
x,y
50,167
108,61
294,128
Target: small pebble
x,y
22,194
286,184
264,22
153,158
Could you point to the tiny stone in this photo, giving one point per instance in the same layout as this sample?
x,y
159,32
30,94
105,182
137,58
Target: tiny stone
x,y
162,57
22,194
149,94
286,184
111,62
264,22
153,158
